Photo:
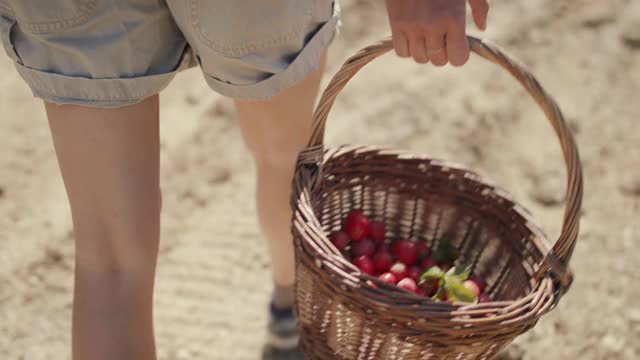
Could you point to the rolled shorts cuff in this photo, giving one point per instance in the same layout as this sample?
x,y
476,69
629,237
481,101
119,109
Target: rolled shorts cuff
x,y
103,93
305,62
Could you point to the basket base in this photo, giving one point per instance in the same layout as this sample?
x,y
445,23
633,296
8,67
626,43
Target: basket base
x,y
396,349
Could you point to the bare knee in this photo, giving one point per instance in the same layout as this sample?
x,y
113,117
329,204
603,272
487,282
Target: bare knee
x,y
118,239
276,131
279,154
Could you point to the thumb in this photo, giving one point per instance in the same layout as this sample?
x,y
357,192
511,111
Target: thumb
x,y
479,11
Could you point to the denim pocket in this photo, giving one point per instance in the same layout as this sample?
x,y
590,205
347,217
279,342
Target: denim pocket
x,y
239,27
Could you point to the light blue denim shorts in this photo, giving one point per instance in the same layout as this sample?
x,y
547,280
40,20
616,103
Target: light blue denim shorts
x,y
112,53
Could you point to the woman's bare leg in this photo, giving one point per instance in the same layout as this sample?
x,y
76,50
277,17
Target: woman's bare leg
x,y
275,131
109,160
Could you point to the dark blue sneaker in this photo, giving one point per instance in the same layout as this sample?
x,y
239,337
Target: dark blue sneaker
x,y
282,336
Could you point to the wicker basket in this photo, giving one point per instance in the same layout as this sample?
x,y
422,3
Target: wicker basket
x,y
343,317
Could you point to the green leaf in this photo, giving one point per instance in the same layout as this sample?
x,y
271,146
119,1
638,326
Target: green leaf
x,y
460,272
432,274
458,292
438,293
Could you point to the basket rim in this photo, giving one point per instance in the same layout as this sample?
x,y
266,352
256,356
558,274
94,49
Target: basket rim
x,y
335,152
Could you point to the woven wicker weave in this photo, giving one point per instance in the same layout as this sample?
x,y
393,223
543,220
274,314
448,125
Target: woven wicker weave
x,y
342,317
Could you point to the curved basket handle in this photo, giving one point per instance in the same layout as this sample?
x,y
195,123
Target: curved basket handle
x,y
558,257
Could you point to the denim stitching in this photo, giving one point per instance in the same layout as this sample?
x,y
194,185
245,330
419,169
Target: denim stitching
x,y
6,10
85,11
61,99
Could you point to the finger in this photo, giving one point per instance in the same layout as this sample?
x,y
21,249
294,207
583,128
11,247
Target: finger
x,y
417,46
480,12
457,44
400,44
436,49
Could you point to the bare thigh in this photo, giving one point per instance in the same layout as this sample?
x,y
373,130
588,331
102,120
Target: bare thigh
x,y
109,159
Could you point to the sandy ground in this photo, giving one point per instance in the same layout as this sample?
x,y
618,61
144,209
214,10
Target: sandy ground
x,y
212,282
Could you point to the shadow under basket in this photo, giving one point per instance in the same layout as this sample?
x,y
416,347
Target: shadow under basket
x,y
341,316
